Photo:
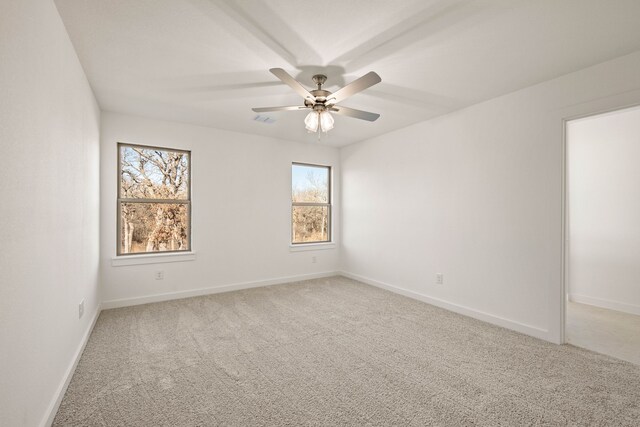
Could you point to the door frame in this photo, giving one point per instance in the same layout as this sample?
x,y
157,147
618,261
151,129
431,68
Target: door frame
x,y
566,244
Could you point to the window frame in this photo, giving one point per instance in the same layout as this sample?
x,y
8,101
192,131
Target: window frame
x,y
120,200
328,205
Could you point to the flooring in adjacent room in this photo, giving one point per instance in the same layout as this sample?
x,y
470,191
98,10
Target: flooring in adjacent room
x,y
604,331
334,352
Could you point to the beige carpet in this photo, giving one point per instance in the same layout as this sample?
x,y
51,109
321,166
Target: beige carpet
x,y
334,352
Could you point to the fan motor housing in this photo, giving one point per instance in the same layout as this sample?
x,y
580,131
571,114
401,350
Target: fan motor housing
x,y
321,96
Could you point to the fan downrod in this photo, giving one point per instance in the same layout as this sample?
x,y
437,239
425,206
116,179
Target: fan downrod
x,y
319,79
320,94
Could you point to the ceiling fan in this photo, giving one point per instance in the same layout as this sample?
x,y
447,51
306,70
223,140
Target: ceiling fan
x,y
321,101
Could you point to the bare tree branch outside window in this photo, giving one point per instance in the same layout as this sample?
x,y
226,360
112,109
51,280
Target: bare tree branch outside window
x,y
310,203
154,200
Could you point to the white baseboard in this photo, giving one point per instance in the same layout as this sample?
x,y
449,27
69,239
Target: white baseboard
x,y
127,302
456,308
52,410
604,303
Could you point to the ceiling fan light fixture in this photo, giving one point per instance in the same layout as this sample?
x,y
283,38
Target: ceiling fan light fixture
x,y
326,121
320,101
311,121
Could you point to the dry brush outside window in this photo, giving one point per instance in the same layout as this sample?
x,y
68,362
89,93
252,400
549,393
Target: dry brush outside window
x,y
154,200
310,203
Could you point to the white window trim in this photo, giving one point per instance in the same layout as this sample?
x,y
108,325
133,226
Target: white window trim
x,y
181,201
299,247
313,246
158,258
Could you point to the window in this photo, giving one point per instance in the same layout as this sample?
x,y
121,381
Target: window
x,y
310,203
154,200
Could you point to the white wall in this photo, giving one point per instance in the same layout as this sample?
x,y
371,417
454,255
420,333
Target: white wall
x,y
241,197
49,136
476,195
604,210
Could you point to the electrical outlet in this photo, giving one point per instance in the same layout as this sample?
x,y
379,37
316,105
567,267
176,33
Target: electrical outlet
x,y
160,275
81,309
439,278
314,260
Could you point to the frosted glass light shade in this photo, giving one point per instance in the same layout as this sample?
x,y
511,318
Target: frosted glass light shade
x,y
311,121
326,121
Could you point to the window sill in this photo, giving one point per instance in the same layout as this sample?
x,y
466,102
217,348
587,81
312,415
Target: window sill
x,y
121,261
311,246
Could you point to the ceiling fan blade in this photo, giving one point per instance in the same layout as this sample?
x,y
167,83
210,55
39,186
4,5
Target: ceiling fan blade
x,y
358,85
293,83
352,112
267,109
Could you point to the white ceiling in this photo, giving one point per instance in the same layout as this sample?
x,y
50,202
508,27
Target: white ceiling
x,y
206,61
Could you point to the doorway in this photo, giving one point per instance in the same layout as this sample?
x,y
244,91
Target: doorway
x,y
602,284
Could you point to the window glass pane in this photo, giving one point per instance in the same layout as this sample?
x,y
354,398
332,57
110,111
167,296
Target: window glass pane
x,y
310,184
153,174
310,224
153,227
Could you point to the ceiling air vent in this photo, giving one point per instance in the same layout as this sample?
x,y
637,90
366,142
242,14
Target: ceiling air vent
x,y
264,119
